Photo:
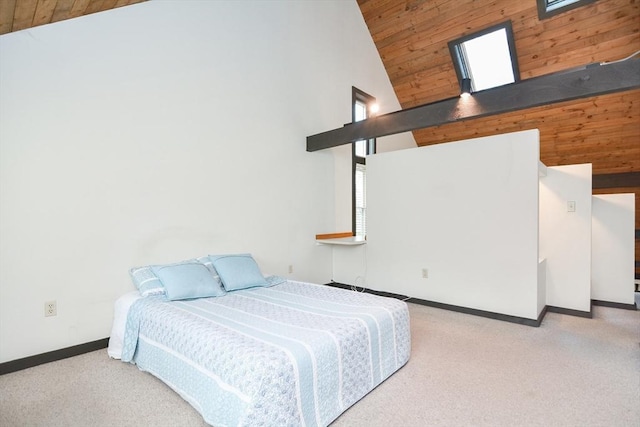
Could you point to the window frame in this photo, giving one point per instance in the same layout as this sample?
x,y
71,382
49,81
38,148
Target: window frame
x,y
544,12
458,60
358,95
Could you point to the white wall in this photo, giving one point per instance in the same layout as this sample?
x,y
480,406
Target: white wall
x,y
565,237
343,171
468,212
163,131
612,268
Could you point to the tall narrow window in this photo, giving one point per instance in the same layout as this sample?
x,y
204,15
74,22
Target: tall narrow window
x,y
361,110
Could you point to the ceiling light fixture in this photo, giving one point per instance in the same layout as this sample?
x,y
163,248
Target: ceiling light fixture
x,y
465,87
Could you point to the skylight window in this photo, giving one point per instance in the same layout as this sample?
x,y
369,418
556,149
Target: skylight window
x,y
548,8
487,57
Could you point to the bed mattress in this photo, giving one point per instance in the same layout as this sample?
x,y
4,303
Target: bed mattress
x,y
291,354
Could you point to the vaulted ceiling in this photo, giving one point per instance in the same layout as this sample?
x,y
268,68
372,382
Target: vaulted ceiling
x,y
20,14
412,35
412,38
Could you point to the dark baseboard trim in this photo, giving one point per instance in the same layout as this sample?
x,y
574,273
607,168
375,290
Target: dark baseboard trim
x,y
481,313
543,313
52,356
614,304
570,312
492,315
76,350
368,291
465,310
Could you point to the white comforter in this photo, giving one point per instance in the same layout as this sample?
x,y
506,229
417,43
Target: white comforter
x,y
292,354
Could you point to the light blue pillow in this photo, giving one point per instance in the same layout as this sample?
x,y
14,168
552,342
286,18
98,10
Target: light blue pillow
x,y
238,271
187,281
146,281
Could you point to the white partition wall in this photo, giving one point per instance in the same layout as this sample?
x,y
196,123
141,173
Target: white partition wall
x,y
612,267
565,235
465,215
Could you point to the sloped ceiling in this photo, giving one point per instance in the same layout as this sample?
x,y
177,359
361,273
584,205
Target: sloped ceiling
x,y
412,36
18,15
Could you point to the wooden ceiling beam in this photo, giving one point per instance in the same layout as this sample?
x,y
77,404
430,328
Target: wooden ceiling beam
x,y
583,82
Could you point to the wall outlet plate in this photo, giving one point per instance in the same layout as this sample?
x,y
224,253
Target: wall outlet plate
x,y
50,309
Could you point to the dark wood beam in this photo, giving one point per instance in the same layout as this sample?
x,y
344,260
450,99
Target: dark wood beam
x,y
616,180
583,82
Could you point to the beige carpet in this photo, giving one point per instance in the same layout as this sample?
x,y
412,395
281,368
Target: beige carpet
x,y
464,371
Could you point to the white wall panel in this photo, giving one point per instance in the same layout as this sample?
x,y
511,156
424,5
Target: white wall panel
x,y
612,270
565,236
466,211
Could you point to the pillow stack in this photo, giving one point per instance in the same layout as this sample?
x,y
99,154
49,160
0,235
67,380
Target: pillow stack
x,y
210,276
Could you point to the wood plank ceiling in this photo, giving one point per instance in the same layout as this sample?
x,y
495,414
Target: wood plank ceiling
x,y
18,15
411,37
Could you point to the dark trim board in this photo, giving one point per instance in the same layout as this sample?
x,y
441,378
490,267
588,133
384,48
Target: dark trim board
x,y
614,304
482,313
64,353
52,356
570,312
368,291
615,180
490,314
465,310
582,82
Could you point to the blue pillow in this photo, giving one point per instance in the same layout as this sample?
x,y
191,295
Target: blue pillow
x,y
238,271
188,280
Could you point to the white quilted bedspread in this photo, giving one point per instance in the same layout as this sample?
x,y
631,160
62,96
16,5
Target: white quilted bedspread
x,y
292,354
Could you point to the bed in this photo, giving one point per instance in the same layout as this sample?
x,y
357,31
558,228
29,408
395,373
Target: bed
x,y
286,353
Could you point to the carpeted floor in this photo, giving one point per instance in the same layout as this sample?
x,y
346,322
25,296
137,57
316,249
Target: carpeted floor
x,y
464,371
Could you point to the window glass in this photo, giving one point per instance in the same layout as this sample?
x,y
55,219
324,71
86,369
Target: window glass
x,y
488,60
360,113
488,57
361,200
361,148
549,8
361,106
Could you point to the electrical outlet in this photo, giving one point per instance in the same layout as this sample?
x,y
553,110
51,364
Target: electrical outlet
x,y
425,273
50,309
290,269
